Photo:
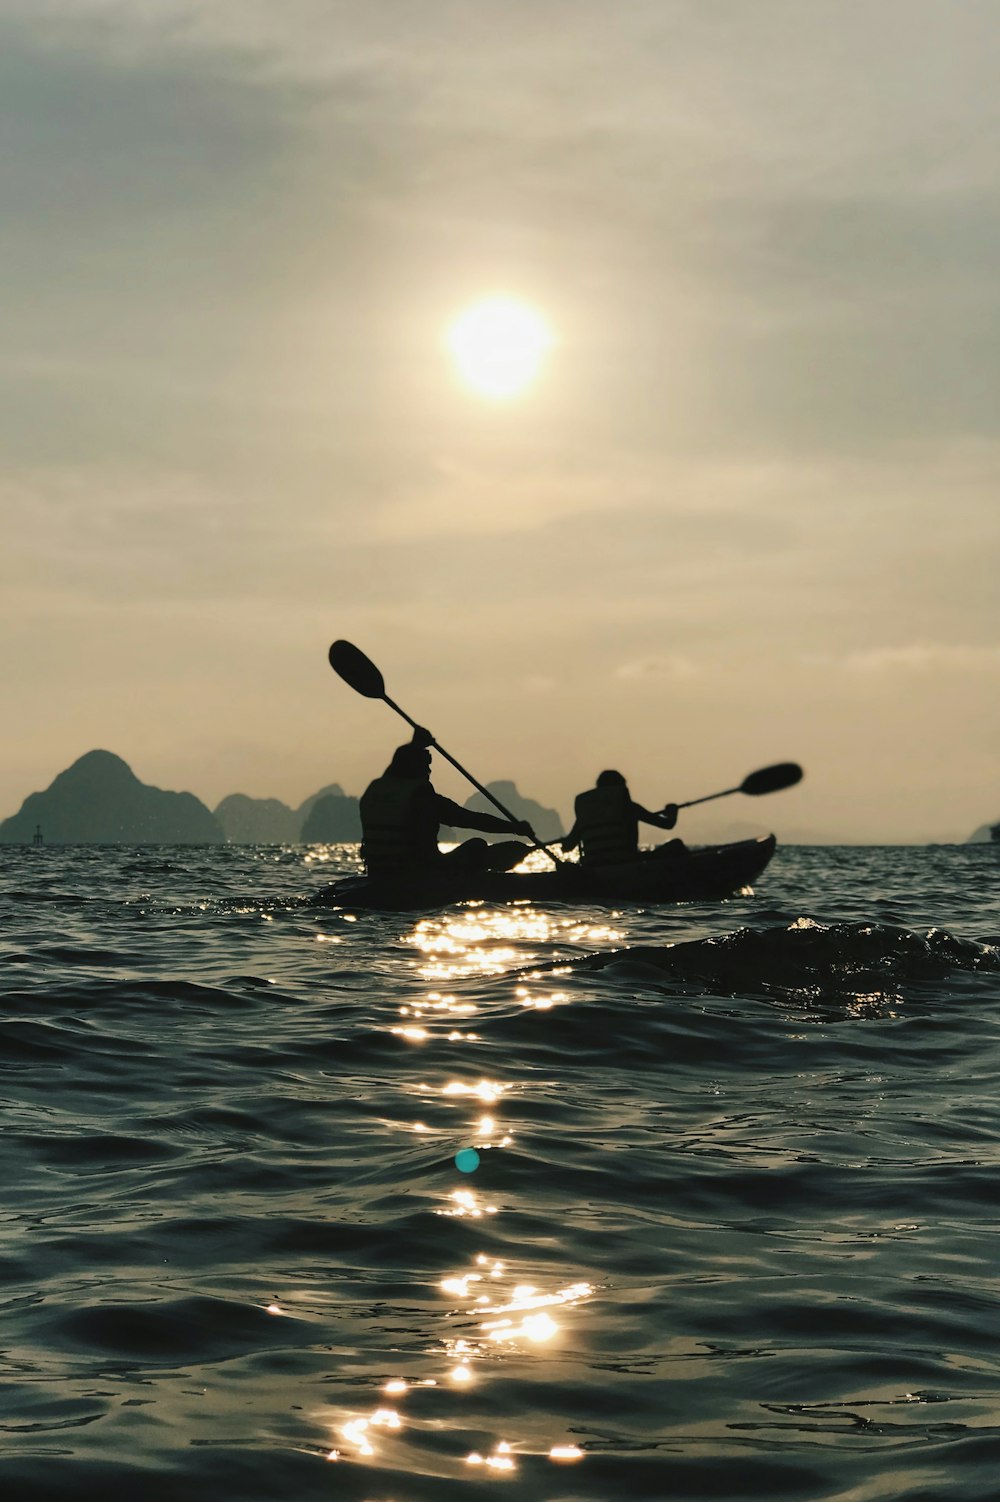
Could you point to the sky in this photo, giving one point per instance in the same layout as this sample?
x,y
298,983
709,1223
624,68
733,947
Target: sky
x,y
747,512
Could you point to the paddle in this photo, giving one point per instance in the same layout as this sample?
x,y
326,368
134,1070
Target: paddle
x,y
361,674
784,774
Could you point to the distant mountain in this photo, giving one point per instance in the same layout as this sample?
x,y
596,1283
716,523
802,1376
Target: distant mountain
x,y
982,835
100,801
332,790
257,821
544,821
268,821
332,818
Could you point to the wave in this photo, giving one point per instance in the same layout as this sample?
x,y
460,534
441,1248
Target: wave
x,y
804,959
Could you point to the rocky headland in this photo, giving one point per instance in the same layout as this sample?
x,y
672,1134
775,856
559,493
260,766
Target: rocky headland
x,y
100,801
327,817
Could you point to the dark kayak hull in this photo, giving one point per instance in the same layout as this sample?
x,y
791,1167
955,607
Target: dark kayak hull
x,y
703,873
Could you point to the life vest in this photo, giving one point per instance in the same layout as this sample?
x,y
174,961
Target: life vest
x,y
396,831
608,829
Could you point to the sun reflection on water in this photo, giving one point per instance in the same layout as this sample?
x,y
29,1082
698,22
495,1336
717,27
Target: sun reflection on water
x,y
464,1202
500,1316
486,1090
535,1327
356,1431
493,1316
484,941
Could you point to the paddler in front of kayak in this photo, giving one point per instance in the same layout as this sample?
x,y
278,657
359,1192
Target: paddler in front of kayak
x,y
401,814
607,824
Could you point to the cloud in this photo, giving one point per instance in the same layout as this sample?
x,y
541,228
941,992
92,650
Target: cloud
x,y
925,658
766,234
468,496
748,237
673,665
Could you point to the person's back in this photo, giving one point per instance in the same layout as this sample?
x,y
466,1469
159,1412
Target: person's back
x,y
401,815
398,823
606,825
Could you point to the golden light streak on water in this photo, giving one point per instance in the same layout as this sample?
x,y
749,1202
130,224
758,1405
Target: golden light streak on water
x,y
363,1436
536,1328
504,1316
525,1296
500,1460
460,1286
387,1417
451,1003
486,1090
485,941
497,1270
357,1431
465,1202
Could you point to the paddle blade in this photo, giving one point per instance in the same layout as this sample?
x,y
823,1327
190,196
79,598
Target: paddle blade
x,y
351,664
772,779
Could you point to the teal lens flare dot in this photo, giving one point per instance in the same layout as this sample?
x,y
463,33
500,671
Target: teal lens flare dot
x,y
467,1161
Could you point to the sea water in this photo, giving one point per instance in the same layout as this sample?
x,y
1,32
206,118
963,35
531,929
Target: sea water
x,y
307,1204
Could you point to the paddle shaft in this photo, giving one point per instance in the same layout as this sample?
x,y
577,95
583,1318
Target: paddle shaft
x,y
708,797
784,774
468,775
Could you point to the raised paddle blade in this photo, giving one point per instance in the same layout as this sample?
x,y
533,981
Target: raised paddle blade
x,y
772,779
351,664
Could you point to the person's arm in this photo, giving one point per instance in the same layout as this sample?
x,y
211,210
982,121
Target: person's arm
x,y
665,818
467,818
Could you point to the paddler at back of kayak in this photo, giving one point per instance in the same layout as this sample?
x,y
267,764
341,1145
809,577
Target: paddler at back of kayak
x,y
401,814
607,824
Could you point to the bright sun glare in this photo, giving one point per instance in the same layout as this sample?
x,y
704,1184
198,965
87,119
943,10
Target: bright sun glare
x,y
499,346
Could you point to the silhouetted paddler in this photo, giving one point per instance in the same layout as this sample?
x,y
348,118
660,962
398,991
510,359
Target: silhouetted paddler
x,y
401,814
607,823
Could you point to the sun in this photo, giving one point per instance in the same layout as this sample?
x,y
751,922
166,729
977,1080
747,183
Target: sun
x,y
499,346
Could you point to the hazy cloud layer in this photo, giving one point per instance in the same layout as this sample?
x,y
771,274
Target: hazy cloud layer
x,y
750,512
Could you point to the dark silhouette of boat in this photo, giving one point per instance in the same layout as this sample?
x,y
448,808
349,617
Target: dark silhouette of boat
x,y
995,832
702,873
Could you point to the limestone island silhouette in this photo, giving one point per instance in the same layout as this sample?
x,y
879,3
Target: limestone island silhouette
x,y
985,834
100,801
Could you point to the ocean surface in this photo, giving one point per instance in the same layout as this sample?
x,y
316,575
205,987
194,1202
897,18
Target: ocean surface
x,y
732,1232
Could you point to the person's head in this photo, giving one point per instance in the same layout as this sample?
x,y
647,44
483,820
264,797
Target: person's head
x,y
610,780
410,761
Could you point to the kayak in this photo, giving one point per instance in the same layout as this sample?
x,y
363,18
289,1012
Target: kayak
x,y
704,872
